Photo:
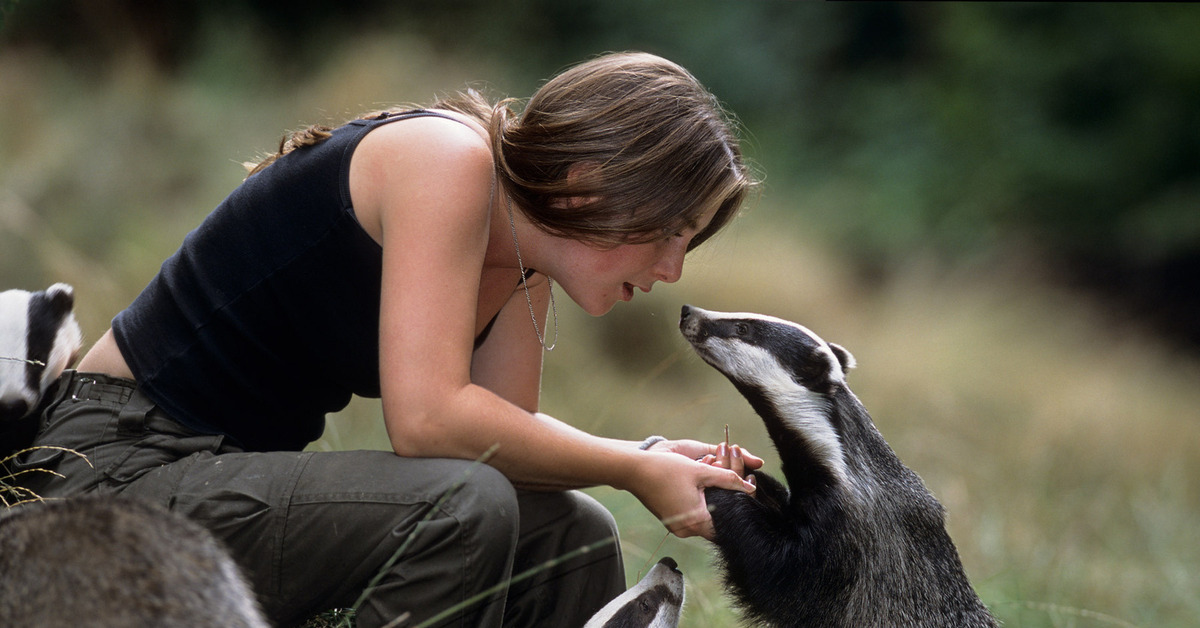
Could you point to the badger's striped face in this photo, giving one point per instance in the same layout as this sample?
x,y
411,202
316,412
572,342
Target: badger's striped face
x,y
38,339
782,368
654,602
758,351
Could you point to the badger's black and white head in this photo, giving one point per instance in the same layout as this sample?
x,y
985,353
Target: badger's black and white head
x,y
654,602
786,372
756,350
39,338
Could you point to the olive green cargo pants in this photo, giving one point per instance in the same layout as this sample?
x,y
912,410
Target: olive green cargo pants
x,y
311,529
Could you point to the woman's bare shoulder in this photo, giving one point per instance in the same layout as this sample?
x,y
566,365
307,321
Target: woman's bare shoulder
x,y
421,161
430,136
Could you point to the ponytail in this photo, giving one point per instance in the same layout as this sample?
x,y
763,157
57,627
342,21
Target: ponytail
x,y
314,134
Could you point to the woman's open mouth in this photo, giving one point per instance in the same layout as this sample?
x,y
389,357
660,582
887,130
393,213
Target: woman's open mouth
x,y
627,292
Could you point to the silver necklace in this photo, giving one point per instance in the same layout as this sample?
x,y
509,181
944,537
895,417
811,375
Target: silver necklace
x,y
529,300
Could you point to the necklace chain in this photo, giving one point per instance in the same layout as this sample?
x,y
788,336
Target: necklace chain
x,y
529,300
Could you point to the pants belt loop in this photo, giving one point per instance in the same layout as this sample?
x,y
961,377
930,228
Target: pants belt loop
x,y
63,388
132,418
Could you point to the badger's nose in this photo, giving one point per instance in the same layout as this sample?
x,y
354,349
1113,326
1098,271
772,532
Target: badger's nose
x,y
689,322
13,409
683,317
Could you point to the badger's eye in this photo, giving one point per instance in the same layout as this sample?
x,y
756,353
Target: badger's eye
x,y
741,329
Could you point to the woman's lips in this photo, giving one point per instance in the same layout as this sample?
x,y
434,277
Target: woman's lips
x,y
627,292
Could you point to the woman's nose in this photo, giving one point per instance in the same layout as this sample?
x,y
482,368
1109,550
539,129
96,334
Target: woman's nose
x,y
670,267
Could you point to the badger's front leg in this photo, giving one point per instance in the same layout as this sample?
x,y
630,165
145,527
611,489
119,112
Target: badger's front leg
x,y
753,534
784,565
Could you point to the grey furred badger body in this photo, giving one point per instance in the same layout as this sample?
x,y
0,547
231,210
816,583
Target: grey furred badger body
x,y
855,539
116,562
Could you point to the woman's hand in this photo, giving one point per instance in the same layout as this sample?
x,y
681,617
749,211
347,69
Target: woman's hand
x,y
674,477
732,457
722,454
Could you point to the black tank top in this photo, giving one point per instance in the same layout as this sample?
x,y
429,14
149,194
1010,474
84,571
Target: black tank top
x,y
267,317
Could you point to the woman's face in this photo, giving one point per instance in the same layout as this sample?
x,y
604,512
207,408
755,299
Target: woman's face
x,y
596,278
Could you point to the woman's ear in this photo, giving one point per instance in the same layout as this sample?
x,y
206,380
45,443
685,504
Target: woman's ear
x,y
577,178
580,170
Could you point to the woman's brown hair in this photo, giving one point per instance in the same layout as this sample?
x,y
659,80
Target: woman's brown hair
x,y
656,151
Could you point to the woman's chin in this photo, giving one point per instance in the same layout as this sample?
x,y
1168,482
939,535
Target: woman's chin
x,y
599,307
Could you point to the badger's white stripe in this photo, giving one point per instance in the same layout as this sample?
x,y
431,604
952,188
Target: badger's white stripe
x,y
801,410
14,305
67,342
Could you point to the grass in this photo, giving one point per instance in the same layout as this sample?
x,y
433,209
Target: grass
x,y
1062,440
13,495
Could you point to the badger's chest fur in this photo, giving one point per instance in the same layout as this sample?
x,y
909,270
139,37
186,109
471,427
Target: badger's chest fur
x,y
854,538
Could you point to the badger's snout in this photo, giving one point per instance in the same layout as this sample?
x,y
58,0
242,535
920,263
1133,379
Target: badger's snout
x,y
669,562
13,409
685,315
689,323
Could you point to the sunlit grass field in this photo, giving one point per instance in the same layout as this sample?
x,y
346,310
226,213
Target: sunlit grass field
x,y
1062,440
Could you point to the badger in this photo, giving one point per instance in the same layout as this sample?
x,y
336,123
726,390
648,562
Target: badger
x,y
39,338
654,602
114,561
854,538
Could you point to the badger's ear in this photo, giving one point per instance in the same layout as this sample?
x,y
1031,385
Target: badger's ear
x,y
844,357
62,296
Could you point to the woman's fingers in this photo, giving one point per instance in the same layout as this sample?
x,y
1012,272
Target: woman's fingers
x,y
737,463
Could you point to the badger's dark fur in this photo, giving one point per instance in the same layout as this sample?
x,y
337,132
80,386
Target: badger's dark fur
x,y
855,538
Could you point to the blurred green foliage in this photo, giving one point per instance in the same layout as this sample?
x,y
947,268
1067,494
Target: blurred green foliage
x,y
921,160
1068,132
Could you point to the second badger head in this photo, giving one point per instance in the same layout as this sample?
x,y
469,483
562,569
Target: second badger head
x,y
38,339
654,602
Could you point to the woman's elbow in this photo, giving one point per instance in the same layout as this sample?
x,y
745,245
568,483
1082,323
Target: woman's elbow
x,y
437,432
414,434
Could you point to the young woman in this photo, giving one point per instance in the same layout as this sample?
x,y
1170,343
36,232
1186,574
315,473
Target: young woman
x,y
412,256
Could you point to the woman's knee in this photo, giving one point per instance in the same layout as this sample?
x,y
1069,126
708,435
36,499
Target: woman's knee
x,y
576,514
485,504
593,519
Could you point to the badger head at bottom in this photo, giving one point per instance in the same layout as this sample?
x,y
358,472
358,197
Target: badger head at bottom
x,y
654,602
854,538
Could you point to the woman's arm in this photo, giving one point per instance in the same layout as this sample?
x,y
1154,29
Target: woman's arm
x,y
509,362
428,182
